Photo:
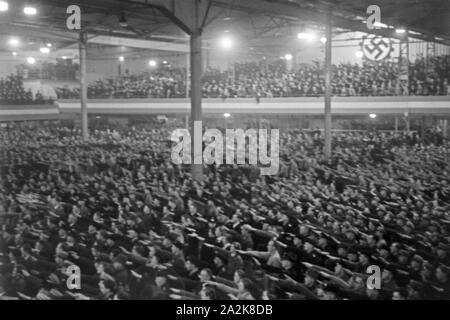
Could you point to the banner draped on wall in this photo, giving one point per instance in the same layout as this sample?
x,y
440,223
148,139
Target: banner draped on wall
x,y
376,48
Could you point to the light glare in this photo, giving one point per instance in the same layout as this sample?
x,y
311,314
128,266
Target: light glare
x,y
309,36
28,10
226,43
14,42
380,24
3,6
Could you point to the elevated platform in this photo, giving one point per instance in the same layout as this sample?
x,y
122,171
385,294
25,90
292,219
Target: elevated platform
x,y
29,112
430,105
284,107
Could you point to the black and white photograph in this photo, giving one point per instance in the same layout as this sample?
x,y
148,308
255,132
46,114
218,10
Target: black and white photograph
x,y
241,151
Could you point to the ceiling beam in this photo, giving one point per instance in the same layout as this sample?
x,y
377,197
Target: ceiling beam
x,y
295,12
138,43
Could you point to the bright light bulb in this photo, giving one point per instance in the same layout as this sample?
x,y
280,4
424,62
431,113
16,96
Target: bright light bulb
x,y
227,115
288,56
380,24
121,59
152,63
226,43
359,54
309,36
29,10
400,30
323,39
372,116
14,42
14,53
31,60
3,6
44,50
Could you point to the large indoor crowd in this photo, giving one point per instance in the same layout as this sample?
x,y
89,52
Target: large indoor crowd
x,y
257,80
161,84
139,227
12,92
426,77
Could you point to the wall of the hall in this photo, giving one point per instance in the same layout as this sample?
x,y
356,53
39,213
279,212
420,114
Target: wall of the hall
x,y
109,67
344,48
103,62
8,64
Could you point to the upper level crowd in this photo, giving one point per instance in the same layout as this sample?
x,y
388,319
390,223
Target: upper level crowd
x,y
255,81
139,227
13,92
273,80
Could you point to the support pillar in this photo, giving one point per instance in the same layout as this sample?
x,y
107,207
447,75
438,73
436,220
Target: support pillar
x,y
208,57
407,121
191,17
403,61
83,85
188,74
186,121
196,102
444,125
422,127
431,53
327,148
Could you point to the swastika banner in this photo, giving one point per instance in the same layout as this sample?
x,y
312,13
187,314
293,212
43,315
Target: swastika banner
x,y
376,48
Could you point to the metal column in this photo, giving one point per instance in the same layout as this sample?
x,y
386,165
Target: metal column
x,y
83,85
196,99
188,74
327,147
186,121
431,53
403,61
406,118
445,128
208,56
191,17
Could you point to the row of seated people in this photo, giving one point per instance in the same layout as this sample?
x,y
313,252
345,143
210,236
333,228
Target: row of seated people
x,y
139,227
368,79
162,84
13,92
273,80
